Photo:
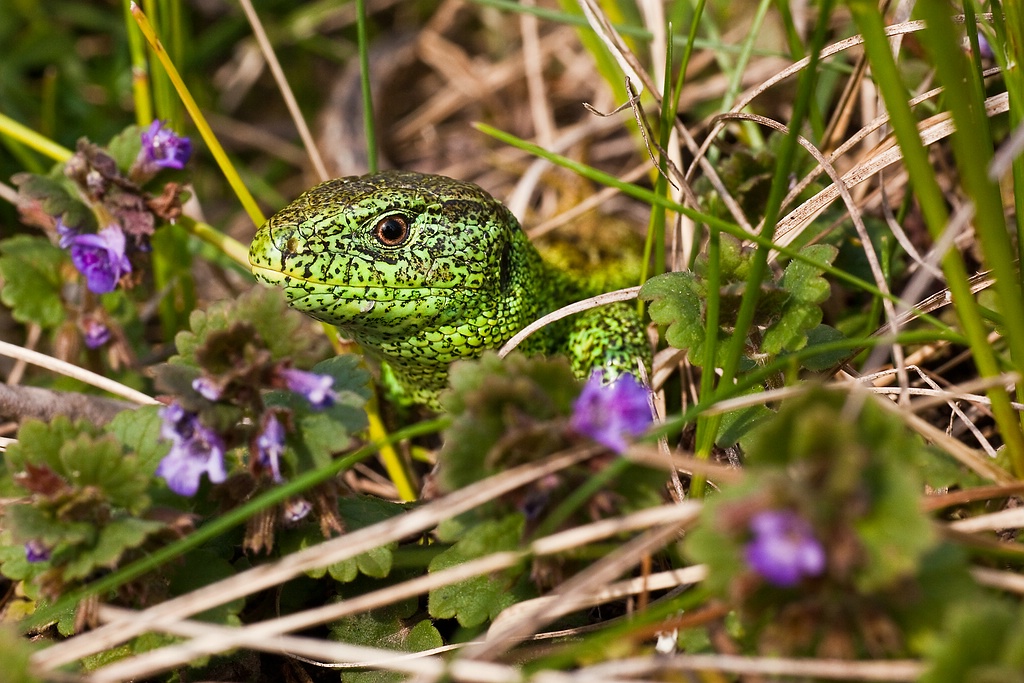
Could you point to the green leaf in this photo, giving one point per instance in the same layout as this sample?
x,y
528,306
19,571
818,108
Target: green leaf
x,y
824,334
285,332
375,563
39,443
17,652
983,642
124,147
388,628
203,567
801,312
30,268
57,196
737,423
518,403
100,462
356,512
114,539
677,301
476,600
345,571
28,522
351,379
321,434
13,562
893,532
138,430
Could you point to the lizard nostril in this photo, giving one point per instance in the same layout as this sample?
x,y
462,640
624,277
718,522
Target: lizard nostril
x,y
291,245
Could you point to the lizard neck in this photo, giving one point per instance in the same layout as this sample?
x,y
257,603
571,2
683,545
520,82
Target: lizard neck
x,y
469,321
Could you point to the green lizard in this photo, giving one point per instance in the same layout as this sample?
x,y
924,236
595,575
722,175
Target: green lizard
x,y
422,270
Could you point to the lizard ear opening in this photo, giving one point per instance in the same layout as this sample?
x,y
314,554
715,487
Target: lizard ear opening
x,y
391,230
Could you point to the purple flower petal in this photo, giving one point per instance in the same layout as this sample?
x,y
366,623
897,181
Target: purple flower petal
x,y
100,257
36,551
163,148
612,414
65,234
195,449
270,446
207,388
95,333
295,509
784,550
316,388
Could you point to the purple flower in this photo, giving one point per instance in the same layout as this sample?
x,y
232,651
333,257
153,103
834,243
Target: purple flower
x,y
784,550
611,414
316,388
163,148
296,509
195,449
36,551
65,234
270,446
207,388
99,257
95,333
985,48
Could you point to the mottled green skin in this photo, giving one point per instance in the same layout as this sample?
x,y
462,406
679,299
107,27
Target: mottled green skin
x,y
466,279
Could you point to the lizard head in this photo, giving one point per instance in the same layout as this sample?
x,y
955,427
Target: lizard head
x,y
389,251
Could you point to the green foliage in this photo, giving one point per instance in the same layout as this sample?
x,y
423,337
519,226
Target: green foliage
x,y
63,460
284,332
359,512
474,601
17,652
355,512
982,642
505,413
30,268
801,311
139,431
846,474
394,627
788,310
87,493
201,568
56,197
112,541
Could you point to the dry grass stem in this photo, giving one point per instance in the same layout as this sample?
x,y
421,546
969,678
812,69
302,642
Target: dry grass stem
x,y
627,294
589,580
74,372
293,565
285,89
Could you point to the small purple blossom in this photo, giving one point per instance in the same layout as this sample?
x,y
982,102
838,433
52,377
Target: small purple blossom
x,y
65,234
36,551
612,414
163,148
316,388
100,257
296,509
207,388
784,550
270,446
985,48
195,449
94,333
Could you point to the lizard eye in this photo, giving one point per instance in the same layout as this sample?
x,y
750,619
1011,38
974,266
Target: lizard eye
x,y
392,231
